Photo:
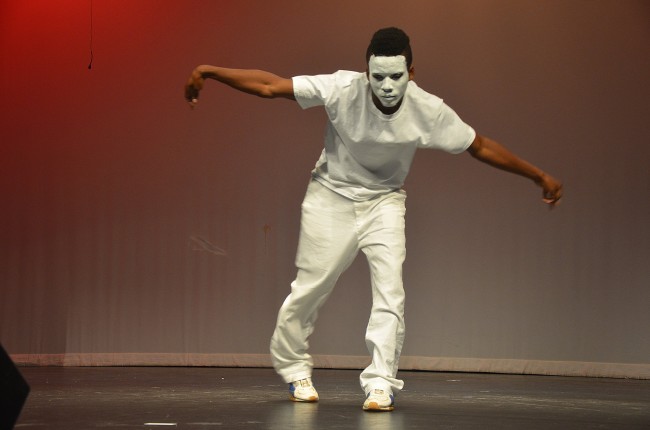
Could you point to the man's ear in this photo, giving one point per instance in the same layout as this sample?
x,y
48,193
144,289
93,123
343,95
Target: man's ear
x,y
411,72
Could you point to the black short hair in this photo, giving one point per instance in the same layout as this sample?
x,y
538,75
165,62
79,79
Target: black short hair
x,y
390,42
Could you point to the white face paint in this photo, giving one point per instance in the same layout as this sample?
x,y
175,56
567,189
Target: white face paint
x,y
388,78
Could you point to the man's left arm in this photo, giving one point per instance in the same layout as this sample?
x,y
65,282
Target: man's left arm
x,y
488,151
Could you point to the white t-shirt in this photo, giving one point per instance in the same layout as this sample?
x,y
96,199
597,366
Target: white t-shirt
x,y
368,153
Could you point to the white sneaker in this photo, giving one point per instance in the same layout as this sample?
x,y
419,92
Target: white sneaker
x,y
303,391
379,400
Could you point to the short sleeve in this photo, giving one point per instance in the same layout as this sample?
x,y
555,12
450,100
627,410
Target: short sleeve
x,y
322,90
451,133
312,91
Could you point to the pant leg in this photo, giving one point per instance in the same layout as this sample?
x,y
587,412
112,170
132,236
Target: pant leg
x,y
327,246
383,242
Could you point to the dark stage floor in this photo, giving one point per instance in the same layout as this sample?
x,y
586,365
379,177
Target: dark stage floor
x,y
218,398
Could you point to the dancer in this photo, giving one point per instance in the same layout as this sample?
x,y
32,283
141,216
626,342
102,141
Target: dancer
x,y
355,202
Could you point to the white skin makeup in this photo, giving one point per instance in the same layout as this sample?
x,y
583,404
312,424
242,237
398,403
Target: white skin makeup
x,y
388,78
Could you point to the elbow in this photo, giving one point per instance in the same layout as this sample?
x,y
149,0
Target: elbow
x,y
266,93
276,88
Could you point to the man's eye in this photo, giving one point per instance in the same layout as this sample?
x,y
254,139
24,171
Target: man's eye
x,y
396,76
378,77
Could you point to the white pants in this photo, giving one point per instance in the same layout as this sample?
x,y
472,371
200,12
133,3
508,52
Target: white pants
x,y
333,230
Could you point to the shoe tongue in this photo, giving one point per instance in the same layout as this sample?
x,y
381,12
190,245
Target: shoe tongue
x,y
378,391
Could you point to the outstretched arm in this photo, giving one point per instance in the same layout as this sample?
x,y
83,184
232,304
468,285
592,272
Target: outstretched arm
x,y
256,82
495,154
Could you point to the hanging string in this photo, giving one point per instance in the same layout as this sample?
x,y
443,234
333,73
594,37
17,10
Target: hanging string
x,y
90,65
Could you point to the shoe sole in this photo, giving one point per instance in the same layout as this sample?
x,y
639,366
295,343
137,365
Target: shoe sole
x,y
309,400
374,407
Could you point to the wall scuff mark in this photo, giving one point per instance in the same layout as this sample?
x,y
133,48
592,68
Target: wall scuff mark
x,y
202,244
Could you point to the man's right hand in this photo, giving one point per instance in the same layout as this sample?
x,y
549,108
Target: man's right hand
x,y
192,87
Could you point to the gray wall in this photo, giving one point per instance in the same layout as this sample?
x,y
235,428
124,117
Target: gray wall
x,y
133,225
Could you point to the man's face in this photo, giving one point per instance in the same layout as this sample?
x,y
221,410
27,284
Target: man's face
x,y
388,78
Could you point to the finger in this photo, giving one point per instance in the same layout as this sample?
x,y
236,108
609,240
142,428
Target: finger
x,y
551,202
191,92
555,194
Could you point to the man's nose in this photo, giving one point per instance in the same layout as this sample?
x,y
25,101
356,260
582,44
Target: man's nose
x,y
386,86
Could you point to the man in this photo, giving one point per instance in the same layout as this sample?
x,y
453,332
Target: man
x,y
376,121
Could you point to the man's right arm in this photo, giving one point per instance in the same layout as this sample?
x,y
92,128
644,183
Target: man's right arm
x,y
256,82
